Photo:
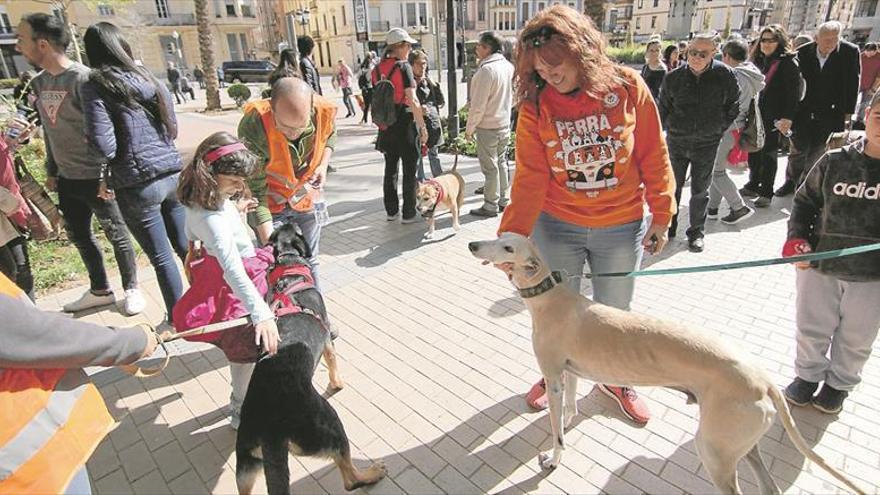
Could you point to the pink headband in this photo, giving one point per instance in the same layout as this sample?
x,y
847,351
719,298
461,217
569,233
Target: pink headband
x,y
222,151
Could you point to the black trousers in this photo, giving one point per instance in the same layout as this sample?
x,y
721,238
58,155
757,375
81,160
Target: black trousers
x,y
400,146
763,165
16,265
701,161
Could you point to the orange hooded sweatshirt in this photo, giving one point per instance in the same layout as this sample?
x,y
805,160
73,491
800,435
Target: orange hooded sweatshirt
x,y
591,162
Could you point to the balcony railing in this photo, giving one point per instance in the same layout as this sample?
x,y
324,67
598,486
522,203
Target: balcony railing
x,y
380,26
175,20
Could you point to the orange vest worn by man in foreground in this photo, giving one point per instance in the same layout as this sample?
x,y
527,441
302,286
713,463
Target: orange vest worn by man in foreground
x,y
51,417
293,133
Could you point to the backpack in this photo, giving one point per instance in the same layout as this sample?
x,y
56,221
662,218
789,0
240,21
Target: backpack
x,y
752,137
383,108
432,117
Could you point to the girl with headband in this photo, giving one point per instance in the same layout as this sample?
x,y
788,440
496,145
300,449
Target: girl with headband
x,y
211,188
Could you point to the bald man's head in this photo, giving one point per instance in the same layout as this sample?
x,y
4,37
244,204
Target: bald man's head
x,y
292,106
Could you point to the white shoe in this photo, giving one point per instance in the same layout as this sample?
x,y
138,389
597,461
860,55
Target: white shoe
x,y
88,301
134,302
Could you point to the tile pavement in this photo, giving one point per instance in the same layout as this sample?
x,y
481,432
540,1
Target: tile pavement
x,y
435,352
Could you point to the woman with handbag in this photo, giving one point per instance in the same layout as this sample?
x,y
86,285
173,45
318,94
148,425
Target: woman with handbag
x,y
129,117
14,211
774,56
209,188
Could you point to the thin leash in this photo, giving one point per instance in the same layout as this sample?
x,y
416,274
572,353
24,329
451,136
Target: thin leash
x,y
168,336
823,255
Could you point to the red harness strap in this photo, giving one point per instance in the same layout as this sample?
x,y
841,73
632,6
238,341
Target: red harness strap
x,y
281,303
440,192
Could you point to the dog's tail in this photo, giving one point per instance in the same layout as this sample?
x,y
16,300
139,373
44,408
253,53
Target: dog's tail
x,y
455,163
798,440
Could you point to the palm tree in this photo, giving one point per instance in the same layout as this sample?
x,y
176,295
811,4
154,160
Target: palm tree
x,y
206,49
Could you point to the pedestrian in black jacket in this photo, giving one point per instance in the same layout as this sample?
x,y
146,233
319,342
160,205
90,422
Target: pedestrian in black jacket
x,y
837,207
698,102
831,67
774,56
307,68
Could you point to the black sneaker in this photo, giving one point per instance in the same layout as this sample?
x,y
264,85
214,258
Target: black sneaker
x,y
748,193
800,392
784,190
739,215
482,212
696,245
829,400
479,190
712,213
762,202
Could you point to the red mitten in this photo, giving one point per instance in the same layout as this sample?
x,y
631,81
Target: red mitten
x,y
736,155
794,247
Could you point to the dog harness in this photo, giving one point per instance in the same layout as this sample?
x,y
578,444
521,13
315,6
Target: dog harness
x,y
440,195
282,304
555,278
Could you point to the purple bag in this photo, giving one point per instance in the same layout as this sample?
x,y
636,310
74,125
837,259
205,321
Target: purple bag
x,y
210,300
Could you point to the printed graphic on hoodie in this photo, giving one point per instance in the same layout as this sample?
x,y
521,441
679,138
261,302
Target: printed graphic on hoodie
x,y
589,149
51,101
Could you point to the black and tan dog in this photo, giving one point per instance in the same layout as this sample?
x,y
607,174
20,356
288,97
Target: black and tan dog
x,y
283,412
444,191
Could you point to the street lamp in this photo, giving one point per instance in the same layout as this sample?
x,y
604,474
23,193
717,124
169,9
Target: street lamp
x,y
302,15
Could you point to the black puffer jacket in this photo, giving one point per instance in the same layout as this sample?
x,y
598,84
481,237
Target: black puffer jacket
x,y
779,99
696,110
133,141
838,206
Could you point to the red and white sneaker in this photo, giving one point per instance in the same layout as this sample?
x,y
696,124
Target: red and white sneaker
x,y
537,396
629,402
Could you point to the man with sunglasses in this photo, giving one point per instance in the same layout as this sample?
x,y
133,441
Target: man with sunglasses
x,y
293,133
698,103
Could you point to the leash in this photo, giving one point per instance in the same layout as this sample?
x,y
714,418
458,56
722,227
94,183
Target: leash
x,y
823,255
167,336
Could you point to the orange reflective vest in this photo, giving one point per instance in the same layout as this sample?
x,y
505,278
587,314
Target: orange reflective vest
x,y
50,423
283,186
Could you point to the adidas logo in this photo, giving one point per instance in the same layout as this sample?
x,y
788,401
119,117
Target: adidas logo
x,y
859,191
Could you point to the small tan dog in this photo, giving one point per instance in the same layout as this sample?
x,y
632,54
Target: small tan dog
x,y
445,191
574,337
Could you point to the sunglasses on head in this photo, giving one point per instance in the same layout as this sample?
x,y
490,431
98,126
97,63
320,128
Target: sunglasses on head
x,y
699,53
539,38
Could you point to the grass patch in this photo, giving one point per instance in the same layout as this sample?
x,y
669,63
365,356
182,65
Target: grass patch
x,y
56,263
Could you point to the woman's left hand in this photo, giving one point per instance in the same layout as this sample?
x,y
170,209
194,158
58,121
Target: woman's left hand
x,y
656,238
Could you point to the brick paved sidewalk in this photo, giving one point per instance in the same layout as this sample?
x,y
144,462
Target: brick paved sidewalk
x,y
435,352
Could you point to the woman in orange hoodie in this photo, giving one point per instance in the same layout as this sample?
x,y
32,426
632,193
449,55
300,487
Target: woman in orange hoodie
x,y
590,154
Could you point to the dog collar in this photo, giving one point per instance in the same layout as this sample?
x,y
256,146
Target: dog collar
x,y
440,194
555,278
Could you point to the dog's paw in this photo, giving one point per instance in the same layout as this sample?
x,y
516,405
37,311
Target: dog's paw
x,y
429,235
456,226
547,461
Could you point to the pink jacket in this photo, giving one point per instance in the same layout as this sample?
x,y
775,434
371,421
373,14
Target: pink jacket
x,y
9,181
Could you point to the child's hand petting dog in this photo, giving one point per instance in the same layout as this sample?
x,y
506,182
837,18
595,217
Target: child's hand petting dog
x,y
266,332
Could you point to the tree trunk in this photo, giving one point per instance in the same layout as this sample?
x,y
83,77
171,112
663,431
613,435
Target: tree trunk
x,y
206,49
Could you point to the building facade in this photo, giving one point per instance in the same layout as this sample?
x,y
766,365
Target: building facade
x,y
159,31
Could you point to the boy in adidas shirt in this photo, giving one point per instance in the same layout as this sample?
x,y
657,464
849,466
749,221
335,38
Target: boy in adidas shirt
x,y
838,206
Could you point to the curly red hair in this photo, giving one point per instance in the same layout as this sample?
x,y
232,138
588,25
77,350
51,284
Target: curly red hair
x,y
562,33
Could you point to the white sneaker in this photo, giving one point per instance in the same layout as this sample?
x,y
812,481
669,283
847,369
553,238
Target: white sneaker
x,y
134,302
88,301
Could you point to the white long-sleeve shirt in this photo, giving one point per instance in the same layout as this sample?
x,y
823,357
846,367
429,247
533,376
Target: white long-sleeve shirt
x,y
224,236
491,94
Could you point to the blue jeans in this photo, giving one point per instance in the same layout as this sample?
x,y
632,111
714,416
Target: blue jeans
x,y
565,246
434,160
311,230
156,220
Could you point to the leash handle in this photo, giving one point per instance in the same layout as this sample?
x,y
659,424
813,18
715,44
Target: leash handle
x,y
823,255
